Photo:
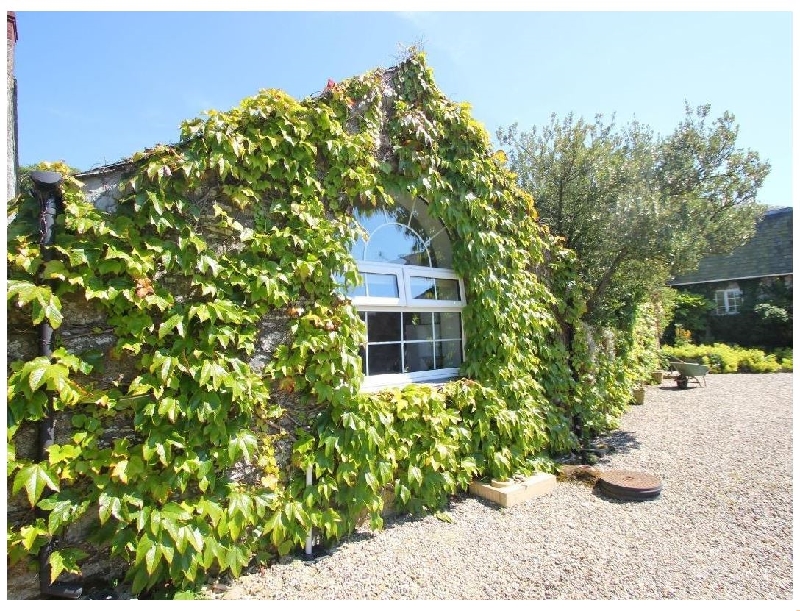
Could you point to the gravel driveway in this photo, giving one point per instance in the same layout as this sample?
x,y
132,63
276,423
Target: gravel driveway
x,y
720,529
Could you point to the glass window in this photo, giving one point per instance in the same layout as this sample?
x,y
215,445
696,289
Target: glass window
x,y
440,289
409,298
408,342
729,301
380,285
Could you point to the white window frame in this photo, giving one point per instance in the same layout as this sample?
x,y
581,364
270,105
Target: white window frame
x,y
406,303
728,301
404,274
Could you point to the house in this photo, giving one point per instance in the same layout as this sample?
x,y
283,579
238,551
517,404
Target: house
x,y
275,269
759,271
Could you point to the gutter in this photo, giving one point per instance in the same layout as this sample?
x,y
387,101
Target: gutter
x,y
48,192
778,275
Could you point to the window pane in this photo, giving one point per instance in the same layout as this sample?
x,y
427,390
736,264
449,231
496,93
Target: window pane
x,y
423,288
381,285
434,288
418,325
360,290
448,354
448,325
397,244
383,327
383,358
372,218
447,289
404,234
419,356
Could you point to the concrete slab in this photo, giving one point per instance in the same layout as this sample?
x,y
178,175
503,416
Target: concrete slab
x,y
513,492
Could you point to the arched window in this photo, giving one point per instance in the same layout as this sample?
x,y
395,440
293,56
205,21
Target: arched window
x,y
409,297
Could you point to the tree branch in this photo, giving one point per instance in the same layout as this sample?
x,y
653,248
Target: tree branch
x,y
605,280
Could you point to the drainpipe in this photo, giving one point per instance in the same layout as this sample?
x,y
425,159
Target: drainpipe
x,y
310,537
46,188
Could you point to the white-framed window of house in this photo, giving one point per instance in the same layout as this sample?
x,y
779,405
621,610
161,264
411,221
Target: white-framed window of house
x,y
729,301
409,297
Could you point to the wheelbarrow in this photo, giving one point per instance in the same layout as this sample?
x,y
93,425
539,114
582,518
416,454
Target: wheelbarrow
x,y
689,371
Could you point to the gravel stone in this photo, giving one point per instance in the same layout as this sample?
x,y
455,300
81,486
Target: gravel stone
x,y
720,529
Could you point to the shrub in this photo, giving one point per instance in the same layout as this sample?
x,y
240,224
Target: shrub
x,y
784,357
755,361
722,358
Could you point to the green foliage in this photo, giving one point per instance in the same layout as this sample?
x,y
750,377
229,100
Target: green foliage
x,y
784,357
250,217
764,319
615,364
773,317
771,314
731,359
691,313
638,208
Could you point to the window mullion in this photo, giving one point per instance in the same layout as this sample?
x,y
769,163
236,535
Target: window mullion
x,y
366,342
402,342
404,278
433,334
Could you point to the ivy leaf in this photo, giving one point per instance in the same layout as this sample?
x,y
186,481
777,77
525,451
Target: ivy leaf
x,y
24,291
11,458
243,444
173,322
54,270
371,481
47,306
173,511
38,369
214,552
30,536
65,560
211,509
216,372
152,557
145,551
60,512
276,527
201,311
108,506
140,580
195,538
119,471
167,549
444,517
34,478
169,407
206,262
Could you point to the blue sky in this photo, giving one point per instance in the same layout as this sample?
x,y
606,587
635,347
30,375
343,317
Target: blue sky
x,y
95,87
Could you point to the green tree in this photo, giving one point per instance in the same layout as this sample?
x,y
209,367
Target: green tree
x,y
634,206
691,313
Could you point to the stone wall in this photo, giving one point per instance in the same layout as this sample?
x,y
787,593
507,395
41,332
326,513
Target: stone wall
x,y
85,329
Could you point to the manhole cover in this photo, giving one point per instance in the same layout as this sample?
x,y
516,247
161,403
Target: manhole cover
x,y
629,485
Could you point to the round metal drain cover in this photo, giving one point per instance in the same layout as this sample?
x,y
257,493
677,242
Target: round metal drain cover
x,y
629,485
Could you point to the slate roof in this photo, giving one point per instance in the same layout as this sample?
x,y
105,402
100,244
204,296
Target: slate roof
x,y
768,253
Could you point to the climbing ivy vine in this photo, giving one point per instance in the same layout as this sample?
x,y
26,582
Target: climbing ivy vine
x,y
249,217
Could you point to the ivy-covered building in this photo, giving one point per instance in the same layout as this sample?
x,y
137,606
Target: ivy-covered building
x,y
758,272
301,313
